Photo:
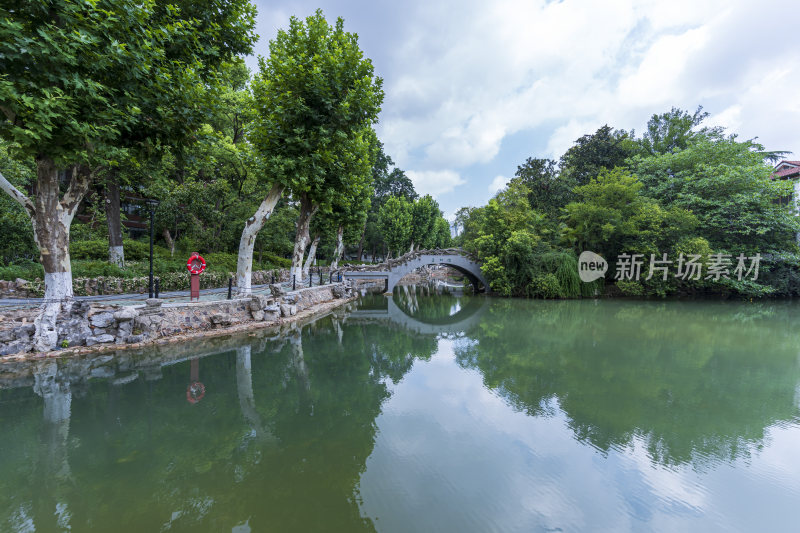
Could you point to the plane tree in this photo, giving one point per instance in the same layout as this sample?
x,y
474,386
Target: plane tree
x,y
314,94
79,82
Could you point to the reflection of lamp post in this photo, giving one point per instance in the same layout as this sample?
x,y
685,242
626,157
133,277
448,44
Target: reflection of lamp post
x,y
151,204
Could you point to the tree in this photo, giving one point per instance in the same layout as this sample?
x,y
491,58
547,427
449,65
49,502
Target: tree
x,y
385,183
314,94
394,220
549,191
424,213
76,78
674,130
443,239
727,185
604,149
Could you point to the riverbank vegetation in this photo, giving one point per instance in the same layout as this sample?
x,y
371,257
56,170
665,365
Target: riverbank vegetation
x,y
680,188
114,113
110,107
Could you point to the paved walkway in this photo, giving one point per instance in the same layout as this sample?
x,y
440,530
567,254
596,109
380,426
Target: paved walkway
x,y
168,297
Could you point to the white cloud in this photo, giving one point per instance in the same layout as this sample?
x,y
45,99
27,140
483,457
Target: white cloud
x,y
472,73
499,182
462,76
434,182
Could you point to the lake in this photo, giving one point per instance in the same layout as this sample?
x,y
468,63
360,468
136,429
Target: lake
x,y
427,411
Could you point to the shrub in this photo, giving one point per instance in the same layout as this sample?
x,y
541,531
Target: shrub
x,y
630,288
546,286
271,260
27,270
95,269
220,262
94,250
97,249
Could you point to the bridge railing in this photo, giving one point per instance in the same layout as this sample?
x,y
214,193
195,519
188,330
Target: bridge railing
x,y
410,256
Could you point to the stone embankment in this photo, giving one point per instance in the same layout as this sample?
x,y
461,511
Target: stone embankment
x,y
94,326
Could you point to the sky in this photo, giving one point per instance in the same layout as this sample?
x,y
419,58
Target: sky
x,y
474,88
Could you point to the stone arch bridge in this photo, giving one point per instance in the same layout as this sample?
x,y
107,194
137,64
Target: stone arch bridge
x,y
395,269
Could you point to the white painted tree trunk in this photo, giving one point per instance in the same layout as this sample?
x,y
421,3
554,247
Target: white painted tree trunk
x,y
301,237
244,263
55,467
312,252
51,217
247,402
299,361
337,253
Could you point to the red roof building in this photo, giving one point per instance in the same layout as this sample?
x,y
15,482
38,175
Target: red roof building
x,y
787,170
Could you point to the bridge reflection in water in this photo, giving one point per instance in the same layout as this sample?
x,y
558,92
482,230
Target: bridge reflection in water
x,y
446,314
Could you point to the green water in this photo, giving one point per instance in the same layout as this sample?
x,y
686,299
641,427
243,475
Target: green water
x,y
427,412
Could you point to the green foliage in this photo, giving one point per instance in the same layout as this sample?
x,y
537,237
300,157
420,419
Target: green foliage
x,y
548,191
443,239
394,220
98,250
612,216
681,189
80,76
726,185
630,287
16,232
424,213
603,150
97,268
27,270
545,286
314,93
673,131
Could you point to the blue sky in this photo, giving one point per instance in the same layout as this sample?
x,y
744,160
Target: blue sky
x,y
473,88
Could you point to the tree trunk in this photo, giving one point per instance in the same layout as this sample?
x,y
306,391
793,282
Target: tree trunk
x,y
312,252
301,237
337,253
361,242
244,264
170,241
244,386
412,247
116,253
51,217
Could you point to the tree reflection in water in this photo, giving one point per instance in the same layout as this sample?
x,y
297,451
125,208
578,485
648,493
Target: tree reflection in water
x,y
698,382
277,443
281,438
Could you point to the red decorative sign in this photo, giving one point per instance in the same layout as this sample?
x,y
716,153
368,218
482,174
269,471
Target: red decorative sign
x,y
196,264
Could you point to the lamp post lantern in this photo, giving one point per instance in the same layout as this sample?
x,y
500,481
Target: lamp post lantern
x,y
151,205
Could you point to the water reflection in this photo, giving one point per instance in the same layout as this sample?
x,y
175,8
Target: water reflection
x,y
281,436
277,442
696,381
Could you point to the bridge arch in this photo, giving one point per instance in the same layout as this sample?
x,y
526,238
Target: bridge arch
x,y
399,268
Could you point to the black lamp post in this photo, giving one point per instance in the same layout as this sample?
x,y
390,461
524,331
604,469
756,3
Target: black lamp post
x,y
151,205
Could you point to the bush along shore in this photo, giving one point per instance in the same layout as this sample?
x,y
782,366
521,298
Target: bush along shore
x,y
87,326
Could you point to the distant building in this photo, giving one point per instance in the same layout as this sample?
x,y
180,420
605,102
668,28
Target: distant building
x,y
789,170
